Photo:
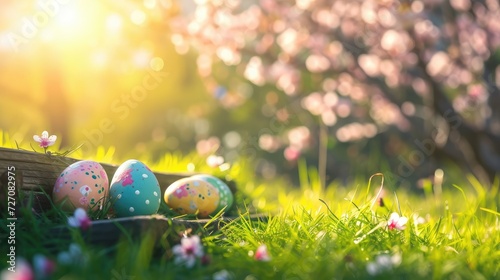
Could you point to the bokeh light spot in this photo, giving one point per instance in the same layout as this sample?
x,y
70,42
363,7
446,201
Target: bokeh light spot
x,y
156,63
232,139
114,23
138,17
150,4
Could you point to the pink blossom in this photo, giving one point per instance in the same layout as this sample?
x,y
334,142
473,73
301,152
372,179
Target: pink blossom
x,y
299,137
22,271
45,140
207,146
188,251
269,143
80,219
261,254
397,222
291,154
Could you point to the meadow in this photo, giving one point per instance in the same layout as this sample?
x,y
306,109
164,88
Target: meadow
x,y
308,232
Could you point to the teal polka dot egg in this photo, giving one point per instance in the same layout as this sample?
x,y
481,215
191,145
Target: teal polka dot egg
x,y
134,190
226,197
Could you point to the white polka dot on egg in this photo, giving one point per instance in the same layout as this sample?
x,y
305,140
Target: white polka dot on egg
x,y
155,193
137,192
147,201
119,196
131,209
144,175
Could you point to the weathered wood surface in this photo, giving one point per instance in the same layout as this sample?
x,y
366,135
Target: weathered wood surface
x,y
40,171
109,232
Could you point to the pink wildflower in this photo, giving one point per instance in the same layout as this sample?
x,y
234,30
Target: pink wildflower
x,y
397,222
80,219
21,271
291,154
44,140
188,251
261,254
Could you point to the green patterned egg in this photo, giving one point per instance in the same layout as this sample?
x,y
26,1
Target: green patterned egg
x,y
226,197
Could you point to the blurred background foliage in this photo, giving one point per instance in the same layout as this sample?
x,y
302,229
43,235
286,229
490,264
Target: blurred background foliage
x,y
407,88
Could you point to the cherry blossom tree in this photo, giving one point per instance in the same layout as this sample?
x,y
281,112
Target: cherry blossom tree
x,y
426,70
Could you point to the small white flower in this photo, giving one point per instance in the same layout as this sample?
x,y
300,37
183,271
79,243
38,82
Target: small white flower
x,y
74,255
45,140
80,219
222,275
188,251
215,161
397,222
383,263
344,217
418,220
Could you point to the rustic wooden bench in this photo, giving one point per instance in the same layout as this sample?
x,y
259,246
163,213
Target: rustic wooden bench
x,y
36,174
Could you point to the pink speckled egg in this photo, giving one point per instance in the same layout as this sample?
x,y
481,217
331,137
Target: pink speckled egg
x,y
82,184
192,195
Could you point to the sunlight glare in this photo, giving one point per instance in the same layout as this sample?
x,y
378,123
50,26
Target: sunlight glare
x,y
72,23
4,42
138,17
150,4
69,19
99,59
114,23
142,58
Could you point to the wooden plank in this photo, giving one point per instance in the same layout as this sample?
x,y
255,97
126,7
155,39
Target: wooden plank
x,y
108,232
41,170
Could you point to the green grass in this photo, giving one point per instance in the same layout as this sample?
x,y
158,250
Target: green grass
x,y
311,233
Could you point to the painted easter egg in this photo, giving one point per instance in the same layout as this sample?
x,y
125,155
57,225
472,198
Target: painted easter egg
x,y
192,195
134,190
226,197
82,184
